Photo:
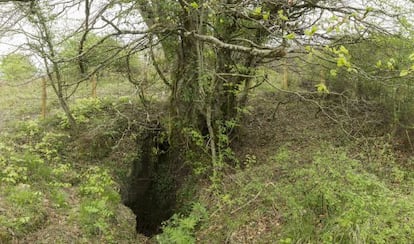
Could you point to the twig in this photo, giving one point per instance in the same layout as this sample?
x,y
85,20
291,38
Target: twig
x,y
409,140
247,203
321,108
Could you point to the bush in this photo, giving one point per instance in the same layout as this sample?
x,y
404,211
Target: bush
x,y
52,146
83,110
22,167
180,229
28,214
99,202
334,200
308,197
393,95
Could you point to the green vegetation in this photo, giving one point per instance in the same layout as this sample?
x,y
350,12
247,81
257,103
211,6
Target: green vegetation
x,y
386,79
16,68
181,229
206,122
311,191
320,194
45,183
340,202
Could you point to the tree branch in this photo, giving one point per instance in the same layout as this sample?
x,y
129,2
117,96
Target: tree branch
x,y
261,52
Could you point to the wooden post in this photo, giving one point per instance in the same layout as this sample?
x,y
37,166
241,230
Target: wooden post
x,y
94,84
44,97
285,82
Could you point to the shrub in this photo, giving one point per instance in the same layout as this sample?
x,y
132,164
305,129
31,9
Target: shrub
x,y
28,213
334,200
180,229
51,146
21,167
99,202
83,110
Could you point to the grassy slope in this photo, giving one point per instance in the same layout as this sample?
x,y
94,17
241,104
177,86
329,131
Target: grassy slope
x,y
305,182
55,188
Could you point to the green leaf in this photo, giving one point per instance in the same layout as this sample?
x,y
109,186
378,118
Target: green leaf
x,y
352,70
404,72
342,61
322,88
337,29
194,5
312,31
343,50
266,15
391,63
411,57
257,11
369,9
378,64
290,36
281,15
333,72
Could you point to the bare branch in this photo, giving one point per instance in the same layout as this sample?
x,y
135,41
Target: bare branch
x,y
261,52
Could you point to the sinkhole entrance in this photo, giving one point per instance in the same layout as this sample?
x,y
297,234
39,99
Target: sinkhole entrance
x,y
150,193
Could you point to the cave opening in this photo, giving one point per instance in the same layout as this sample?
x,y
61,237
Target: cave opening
x,y
150,192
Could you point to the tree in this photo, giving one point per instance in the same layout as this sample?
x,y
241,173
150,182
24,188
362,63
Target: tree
x,y
41,20
212,48
17,67
98,49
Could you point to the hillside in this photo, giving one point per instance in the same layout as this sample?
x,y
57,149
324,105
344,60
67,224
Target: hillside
x,y
305,180
299,177
206,121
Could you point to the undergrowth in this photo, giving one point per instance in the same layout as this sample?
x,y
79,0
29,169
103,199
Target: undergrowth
x,y
334,199
327,198
43,179
98,203
319,194
180,229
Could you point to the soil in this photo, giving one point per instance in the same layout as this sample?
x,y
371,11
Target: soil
x,y
295,124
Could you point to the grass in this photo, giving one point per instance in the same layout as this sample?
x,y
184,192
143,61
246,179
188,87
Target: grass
x,y
20,102
48,189
42,187
327,198
304,181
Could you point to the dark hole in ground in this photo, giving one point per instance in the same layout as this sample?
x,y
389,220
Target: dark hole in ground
x,y
150,210
150,193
